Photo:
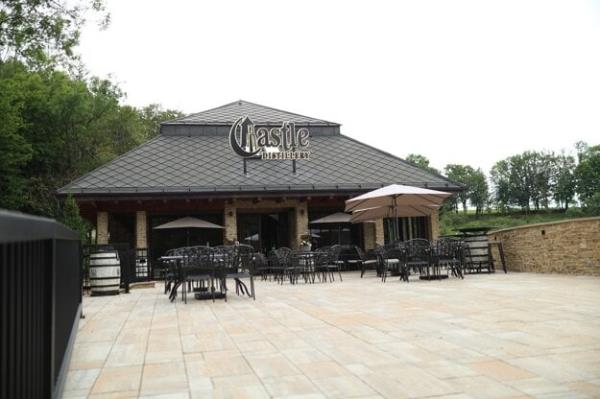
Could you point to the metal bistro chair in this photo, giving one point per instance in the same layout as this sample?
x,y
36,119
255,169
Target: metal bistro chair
x,y
335,264
260,265
418,256
447,253
242,268
198,272
280,260
322,258
173,272
363,261
392,261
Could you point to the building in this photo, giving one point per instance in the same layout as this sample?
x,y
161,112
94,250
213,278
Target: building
x,y
260,172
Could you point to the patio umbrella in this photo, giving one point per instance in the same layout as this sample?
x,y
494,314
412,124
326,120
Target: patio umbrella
x,y
188,223
369,214
338,218
395,201
396,195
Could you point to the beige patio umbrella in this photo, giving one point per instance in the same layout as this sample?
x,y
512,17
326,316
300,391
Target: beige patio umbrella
x,y
334,218
396,195
395,200
188,223
338,218
370,214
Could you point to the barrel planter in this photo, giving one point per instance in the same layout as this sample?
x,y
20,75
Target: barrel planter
x,y
105,273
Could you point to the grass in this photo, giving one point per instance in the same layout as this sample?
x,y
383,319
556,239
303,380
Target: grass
x,y
451,222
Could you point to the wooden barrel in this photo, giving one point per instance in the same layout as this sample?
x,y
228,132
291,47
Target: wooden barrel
x,y
105,273
478,250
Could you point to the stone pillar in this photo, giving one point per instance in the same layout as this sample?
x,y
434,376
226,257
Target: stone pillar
x,y
230,218
102,236
379,234
141,230
368,236
434,225
300,223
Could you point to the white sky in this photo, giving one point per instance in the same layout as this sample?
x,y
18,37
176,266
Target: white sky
x,y
459,82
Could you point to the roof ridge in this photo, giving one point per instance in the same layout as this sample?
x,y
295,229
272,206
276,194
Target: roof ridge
x,y
240,101
201,112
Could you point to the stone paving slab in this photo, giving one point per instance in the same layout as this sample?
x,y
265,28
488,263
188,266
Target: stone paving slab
x,y
488,336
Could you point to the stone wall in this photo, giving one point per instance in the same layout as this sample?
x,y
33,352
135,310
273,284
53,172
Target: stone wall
x,y
434,225
141,230
102,228
379,232
230,218
568,246
368,236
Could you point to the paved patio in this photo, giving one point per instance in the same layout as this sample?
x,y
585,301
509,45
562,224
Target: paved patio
x,y
489,336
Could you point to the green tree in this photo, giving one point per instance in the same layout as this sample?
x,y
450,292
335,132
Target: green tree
x,y
564,180
461,174
70,217
422,162
43,33
587,173
478,190
15,152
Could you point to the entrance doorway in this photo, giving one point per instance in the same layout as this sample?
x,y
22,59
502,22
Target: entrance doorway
x,y
264,231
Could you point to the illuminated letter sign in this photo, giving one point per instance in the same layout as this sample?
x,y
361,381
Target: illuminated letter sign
x,y
278,143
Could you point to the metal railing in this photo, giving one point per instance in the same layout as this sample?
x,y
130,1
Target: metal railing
x,y
40,306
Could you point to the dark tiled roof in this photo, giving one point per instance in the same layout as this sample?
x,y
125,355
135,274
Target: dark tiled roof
x,y
259,114
206,164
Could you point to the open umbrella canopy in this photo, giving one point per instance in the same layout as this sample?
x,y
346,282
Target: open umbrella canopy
x,y
396,195
369,214
334,218
189,222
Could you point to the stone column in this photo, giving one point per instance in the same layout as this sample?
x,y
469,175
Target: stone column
x,y
368,236
379,234
434,225
230,218
102,236
300,223
141,230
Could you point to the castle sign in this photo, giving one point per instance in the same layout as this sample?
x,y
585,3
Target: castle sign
x,y
276,143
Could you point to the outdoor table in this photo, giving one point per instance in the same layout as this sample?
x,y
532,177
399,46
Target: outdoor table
x,y
307,260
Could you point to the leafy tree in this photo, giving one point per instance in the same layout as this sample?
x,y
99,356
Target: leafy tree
x,y
422,162
71,218
461,174
564,180
14,149
587,173
478,190
151,116
58,128
43,33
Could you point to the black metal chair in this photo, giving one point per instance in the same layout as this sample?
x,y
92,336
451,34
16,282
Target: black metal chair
x,y
322,260
241,267
363,261
280,260
417,256
335,263
447,253
392,262
261,265
198,271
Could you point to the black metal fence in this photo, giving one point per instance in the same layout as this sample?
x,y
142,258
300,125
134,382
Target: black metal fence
x,y
40,291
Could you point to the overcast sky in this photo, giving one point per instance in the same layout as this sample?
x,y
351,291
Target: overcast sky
x,y
457,81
